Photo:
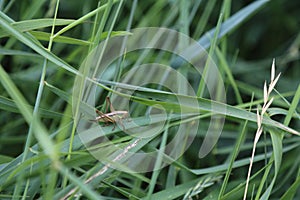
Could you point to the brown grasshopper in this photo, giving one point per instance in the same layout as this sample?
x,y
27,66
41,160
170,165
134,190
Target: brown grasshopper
x,y
112,117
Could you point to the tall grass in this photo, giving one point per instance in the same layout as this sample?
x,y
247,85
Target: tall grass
x,y
43,48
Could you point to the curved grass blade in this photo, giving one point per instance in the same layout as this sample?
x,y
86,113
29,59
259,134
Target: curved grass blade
x,y
30,42
29,25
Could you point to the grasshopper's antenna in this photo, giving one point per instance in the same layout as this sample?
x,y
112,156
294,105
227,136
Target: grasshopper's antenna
x,y
110,105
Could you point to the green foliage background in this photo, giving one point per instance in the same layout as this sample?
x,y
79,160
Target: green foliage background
x,y
41,157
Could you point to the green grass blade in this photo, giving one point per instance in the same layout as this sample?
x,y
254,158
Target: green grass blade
x,y
24,38
30,25
82,19
40,131
293,107
233,22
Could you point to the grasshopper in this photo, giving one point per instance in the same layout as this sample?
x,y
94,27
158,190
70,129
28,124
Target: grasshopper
x,y
112,117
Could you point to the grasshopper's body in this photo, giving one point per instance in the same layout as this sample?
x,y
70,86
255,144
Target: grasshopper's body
x,y
112,117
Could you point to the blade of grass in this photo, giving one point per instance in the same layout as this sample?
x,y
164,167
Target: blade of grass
x,y
83,187
293,107
82,19
32,24
237,192
277,146
234,154
211,52
158,162
239,163
204,18
291,192
24,38
276,159
293,189
10,106
174,192
233,22
169,102
35,116
225,66
38,129
228,26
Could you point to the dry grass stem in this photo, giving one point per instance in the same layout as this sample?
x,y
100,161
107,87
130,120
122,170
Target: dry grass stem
x,y
266,105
